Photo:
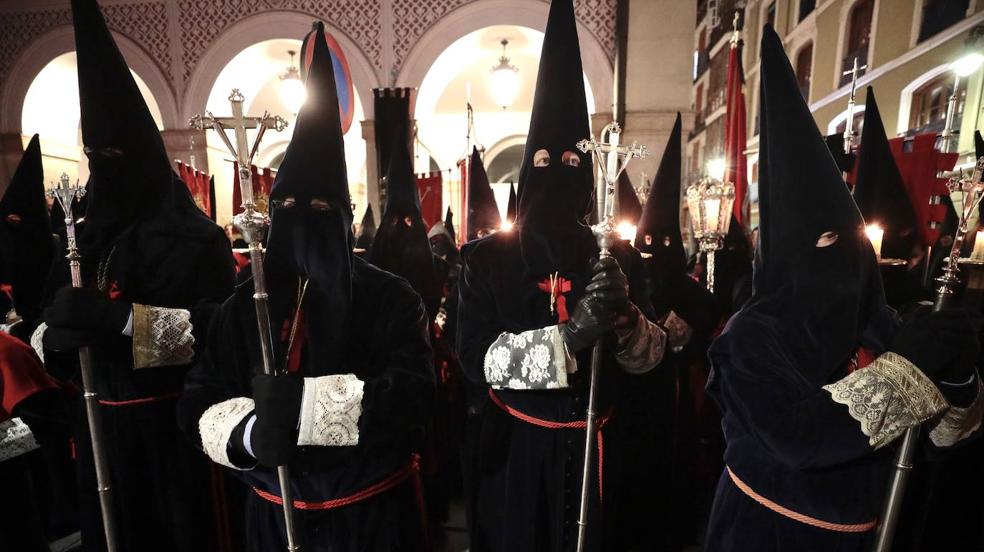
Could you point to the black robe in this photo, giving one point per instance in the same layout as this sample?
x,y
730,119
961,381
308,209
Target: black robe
x,y
791,443
160,483
388,349
527,478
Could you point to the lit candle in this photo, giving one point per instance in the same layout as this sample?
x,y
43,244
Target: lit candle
x,y
875,235
712,214
978,253
626,230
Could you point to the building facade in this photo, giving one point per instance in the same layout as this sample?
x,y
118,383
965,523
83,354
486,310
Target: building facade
x,y
906,49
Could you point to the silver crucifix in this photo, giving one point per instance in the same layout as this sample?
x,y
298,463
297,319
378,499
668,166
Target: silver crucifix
x,y
849,133
612,158
252,222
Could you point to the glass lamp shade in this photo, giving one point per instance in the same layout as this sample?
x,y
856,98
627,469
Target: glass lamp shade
x,y
293,93
710,202
504,81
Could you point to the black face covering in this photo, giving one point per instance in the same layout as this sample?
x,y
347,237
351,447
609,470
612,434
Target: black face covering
x,y
815,271
130,175
555,181
311,231
658,233
26,247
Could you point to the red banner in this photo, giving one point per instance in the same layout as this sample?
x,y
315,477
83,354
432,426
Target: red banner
x,y
262,184
735,127
429,186
919,165
198,184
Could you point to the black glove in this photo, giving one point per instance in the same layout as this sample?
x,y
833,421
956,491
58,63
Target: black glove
x,y
278,408
63,340
87,309
943,345
609,284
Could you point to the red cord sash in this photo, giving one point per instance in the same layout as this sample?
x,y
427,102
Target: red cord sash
x,y
401,475
602,420
796,516
144,400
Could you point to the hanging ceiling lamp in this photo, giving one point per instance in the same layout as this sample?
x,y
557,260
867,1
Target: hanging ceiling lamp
x,y
292,90
504,78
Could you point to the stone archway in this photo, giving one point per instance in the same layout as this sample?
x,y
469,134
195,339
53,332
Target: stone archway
x,y
478,15
269,26
60,41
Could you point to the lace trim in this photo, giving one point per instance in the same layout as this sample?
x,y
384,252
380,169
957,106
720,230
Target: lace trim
x,y
330,410
534,359
15,439
37,340
678,332
161,337
959,423
642,348
887,397
216,425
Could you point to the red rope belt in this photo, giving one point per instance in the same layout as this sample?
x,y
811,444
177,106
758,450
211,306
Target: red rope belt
x,y
796,516
144,400
401,475
602,420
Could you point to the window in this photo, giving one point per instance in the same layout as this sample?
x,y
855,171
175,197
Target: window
x,y
699,101
858,35
929,102
804,70
806,8
940,14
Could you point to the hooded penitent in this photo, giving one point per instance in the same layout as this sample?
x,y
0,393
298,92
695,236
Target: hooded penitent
x,y
483,213
130,177
629,208
26,246
367,230
513,206
817,299
311,229
879,191
555,181
658,232
401,245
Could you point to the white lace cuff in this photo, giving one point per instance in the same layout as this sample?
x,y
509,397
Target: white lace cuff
x,y
641,348
330,411
887,397
678,332
534,359
216,425
161,337
15,439
959,423
37,340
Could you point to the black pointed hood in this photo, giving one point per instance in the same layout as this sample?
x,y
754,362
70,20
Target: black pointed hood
x,y
978,153
816,279
367,230
629,208
658,231
483,212
879,192
513,207
401,245
130,175
311,231
449,223
26,246
555,181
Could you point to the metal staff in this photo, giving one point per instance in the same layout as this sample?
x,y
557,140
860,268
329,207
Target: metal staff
x,y
65,194
972,190
254,224
607,156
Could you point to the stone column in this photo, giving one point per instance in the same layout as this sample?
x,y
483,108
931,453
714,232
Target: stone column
x,y
372,173
183,144
658,78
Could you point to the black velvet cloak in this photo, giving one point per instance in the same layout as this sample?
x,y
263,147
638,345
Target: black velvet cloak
x,y
387,348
